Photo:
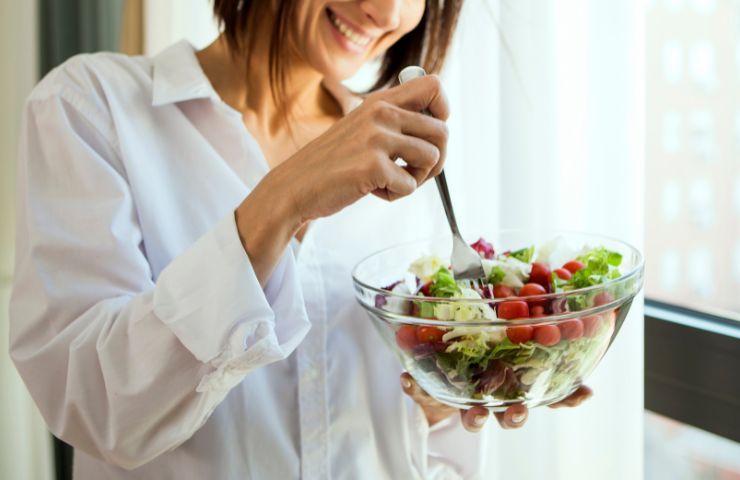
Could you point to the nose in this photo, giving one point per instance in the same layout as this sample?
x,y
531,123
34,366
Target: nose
x,y
386,14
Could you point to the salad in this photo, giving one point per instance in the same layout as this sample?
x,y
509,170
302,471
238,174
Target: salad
x,y
517,362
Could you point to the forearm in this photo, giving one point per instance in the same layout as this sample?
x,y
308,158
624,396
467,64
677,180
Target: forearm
x,y
266,221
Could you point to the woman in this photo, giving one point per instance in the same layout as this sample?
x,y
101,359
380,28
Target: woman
x,y
186,228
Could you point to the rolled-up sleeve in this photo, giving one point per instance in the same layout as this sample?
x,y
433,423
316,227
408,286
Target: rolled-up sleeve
x,y
246,335
120,365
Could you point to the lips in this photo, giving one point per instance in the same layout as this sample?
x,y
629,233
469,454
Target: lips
x,y
351,34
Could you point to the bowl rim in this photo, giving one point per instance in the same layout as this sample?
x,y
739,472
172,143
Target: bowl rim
x,y
636,271
400,318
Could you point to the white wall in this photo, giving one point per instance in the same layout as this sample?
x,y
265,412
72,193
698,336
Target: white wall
x,y
167,21
570,156
25,446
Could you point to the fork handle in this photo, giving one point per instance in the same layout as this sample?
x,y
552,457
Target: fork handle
x,y
444,194
407,74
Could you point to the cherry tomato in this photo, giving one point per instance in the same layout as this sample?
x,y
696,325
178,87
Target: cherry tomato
x,y
573,266
406,337
547,335
603,298
571,329
537,311
426,289
532,289
591,325
427,334
563,273
513,309
541,274
502,291
520,333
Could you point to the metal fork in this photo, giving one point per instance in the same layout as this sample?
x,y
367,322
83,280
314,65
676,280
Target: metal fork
x,y
466,262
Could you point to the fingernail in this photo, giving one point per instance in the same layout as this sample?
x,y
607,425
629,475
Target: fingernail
x,y
479,420
405,383
518,417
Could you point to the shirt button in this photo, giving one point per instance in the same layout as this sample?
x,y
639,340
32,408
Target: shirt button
x,y
311,374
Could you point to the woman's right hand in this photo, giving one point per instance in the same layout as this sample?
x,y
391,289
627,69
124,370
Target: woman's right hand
x,y
355,157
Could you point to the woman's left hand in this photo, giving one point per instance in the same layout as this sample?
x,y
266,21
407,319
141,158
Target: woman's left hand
x,y
475,418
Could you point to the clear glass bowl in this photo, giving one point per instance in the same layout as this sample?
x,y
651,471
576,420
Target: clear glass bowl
x,y
502,372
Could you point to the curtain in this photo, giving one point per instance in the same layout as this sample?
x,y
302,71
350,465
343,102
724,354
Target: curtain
x,y
25,445
546,132
132,28
69,27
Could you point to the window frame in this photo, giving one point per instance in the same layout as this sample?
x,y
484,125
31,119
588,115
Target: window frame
x,y
679,344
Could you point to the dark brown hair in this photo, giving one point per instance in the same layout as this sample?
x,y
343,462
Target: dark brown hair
x,y
425,45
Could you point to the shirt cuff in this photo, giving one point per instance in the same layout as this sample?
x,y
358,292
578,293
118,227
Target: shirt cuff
x,y
213,302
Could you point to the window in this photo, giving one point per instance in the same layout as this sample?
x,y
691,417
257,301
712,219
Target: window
x,y
693,153
675,451
692,317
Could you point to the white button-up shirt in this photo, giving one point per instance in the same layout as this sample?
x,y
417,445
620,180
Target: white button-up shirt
x,y
137,321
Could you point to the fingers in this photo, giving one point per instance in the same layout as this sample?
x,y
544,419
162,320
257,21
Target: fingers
x,y
419,139
431,130
420,156
424,93
513,417
395,182
474,418
433,410
413,390
582,394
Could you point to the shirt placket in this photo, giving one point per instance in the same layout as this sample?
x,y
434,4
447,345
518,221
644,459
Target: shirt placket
x,y
311,360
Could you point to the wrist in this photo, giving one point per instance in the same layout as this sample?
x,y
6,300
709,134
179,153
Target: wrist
x,y
266,222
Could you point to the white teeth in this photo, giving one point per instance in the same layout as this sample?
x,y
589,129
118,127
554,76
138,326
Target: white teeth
x,y
348,32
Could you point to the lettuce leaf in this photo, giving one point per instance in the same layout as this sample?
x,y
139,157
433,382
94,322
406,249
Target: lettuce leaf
x,y
443,284
600,265
496,276
524,254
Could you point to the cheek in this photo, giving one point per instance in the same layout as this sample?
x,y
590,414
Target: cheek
x,y
411,14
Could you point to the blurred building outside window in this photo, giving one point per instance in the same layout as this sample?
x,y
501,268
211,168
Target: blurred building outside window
x,y
692,245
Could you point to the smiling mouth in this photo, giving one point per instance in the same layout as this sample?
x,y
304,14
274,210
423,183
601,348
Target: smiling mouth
x,y
348,32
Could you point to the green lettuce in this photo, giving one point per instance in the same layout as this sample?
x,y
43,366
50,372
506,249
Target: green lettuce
x,y
525,254
496,275
443,284
600,265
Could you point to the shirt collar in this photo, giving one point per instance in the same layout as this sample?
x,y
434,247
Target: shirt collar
x,y
178,77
